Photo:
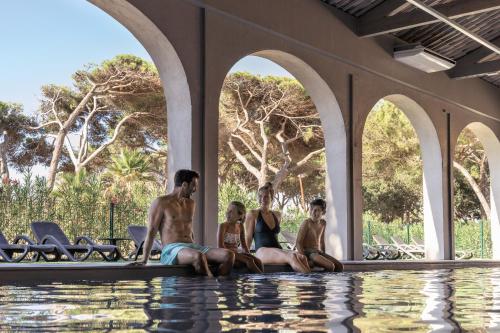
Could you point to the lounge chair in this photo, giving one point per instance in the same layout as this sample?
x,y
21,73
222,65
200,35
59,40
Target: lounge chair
x,y
138,235
290,238
387,251
459,254
51,233
370,252
409,251
8,250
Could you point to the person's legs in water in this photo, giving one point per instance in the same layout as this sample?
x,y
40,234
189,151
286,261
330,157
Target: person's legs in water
x,y
338,265
195,258
248,262
271,255
258,262
223,257
255,260
318,260
303,260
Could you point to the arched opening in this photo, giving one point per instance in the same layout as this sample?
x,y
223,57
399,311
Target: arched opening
x,y
398,201
476,163
334,137
107,120
172,74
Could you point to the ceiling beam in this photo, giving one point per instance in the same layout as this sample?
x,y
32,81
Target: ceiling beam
x,y
463,30
377,24
347,19
469,66
384,9
479,54
467,71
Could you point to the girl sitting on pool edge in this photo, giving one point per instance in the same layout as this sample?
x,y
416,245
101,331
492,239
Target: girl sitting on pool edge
x,y
231,236
311,238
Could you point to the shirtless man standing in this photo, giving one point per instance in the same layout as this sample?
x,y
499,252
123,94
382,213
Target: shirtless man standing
x,y
172,216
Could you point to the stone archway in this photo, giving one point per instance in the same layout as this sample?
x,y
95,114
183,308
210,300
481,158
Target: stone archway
x,y
432,175
336,236
491,146
172,74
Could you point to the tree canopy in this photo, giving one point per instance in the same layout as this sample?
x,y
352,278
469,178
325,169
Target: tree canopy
x,y
270,131
392,167
20,148
119,101
112,122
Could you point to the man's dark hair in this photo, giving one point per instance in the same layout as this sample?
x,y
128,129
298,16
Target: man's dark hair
x,y
318,202
184,175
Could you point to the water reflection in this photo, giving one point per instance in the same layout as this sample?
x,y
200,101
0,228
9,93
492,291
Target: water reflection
x,y
439,291
343,302
274,302
185,305
383,301
494,313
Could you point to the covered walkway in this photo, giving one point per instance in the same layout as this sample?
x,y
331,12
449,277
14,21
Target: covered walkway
x,y
343,52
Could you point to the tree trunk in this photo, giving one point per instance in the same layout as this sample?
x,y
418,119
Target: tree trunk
x,y
475,187
483,177
280,177
281,202
262,180
302,199
165,176
4,167
61,136
56,155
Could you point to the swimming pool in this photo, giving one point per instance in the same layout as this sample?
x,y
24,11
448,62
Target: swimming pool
x,y
443,300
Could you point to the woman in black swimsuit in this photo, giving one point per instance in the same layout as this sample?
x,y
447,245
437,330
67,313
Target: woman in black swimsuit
x,y
262,226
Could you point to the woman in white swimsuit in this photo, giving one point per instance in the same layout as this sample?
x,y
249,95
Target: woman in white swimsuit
x,y
231,236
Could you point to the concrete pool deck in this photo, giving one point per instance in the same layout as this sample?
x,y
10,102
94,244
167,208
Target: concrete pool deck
x,y
31,273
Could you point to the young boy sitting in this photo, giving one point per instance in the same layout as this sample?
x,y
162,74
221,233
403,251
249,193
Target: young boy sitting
x,y
311,238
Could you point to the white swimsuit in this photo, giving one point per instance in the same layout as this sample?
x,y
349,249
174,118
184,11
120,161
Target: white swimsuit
x,y
233,240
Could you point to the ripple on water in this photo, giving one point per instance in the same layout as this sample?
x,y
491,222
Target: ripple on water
x,y
382,301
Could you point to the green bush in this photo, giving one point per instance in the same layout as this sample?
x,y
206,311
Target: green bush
x,y
293,218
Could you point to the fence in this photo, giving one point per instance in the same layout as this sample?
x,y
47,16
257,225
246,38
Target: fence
x,y
89,216
474,236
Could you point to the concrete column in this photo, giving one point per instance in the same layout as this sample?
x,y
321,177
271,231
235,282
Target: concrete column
x,y
357,112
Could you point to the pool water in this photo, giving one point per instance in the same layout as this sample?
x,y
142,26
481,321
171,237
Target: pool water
x,y
380,301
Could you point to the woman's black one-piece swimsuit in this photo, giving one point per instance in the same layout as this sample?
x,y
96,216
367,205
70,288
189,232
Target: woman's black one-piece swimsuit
x,y
263,235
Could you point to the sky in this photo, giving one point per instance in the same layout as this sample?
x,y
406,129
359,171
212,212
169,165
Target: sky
x,y
45,41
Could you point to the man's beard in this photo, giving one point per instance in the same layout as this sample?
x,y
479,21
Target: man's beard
x,y
187,195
